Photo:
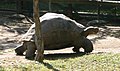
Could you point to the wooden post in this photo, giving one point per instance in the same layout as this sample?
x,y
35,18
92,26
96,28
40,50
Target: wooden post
x,y
98,7
115,13
50,9
18,6
69,11
38,36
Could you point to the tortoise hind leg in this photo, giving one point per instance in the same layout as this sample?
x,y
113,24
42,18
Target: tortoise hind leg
x,y
20,50
31,48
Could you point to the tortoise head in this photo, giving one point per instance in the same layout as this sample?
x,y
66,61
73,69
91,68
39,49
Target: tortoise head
x,y
90,30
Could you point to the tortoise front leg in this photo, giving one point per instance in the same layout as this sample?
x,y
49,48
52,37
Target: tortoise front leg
x,y
76,49
85,43
31,48
87,46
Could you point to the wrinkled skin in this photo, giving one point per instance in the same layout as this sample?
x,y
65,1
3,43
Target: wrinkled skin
x,y
58,33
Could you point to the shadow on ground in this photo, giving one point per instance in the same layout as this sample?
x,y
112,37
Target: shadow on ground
x,y
63,55
55,56
50,66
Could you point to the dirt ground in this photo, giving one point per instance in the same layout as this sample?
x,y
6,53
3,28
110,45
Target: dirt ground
x,y
107,40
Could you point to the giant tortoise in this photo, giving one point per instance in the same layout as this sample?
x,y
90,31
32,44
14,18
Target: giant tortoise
x,y
58,32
